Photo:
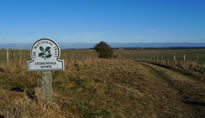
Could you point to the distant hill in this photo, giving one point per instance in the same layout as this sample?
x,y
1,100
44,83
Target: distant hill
x,y
113,45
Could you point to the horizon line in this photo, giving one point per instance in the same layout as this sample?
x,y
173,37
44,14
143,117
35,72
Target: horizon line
x,y
106,42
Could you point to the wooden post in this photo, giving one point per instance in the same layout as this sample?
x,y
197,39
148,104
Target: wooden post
x,y
20,58
7,56
197,58
47,88
174,58
184,57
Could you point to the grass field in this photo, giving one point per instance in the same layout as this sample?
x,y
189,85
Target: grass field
x,y
102,88
22,56
166,54
161,54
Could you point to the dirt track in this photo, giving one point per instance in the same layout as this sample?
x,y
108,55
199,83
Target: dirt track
x,y
179,94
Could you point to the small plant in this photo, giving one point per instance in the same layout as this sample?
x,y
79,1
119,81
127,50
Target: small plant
x,y
104,50
45,53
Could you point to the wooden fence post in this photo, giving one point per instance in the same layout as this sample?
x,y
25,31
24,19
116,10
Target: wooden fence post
x,y
184,57
20,58
7,56
197,58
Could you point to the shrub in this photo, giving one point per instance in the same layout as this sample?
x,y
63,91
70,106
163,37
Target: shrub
x,y
104,50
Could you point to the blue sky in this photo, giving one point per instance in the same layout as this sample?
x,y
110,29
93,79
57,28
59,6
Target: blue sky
x,y
25,21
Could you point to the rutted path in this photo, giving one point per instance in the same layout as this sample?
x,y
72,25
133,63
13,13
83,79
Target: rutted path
x,y
185,95
117,88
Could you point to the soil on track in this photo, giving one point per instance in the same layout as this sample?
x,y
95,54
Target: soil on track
x,y
180,95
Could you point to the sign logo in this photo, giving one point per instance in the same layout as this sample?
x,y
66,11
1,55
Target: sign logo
x,y
45,54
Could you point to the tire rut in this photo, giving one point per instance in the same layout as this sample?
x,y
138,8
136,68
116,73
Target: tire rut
x,y
163,99
190,92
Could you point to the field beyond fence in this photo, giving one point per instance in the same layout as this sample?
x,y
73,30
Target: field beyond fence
x,y
188,55
22,56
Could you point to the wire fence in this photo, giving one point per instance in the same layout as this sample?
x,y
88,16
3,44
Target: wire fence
x,y
10,56
182,55
186,58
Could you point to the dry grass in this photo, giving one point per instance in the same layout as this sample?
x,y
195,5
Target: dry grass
x,y
189,68
85,89
90,88
18,105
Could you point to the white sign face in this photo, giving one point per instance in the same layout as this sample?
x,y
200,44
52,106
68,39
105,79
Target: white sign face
x,y
45,54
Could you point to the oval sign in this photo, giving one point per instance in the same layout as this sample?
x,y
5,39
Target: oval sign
x,y
45,54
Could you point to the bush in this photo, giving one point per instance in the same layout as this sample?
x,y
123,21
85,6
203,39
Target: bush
x,y
104,50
